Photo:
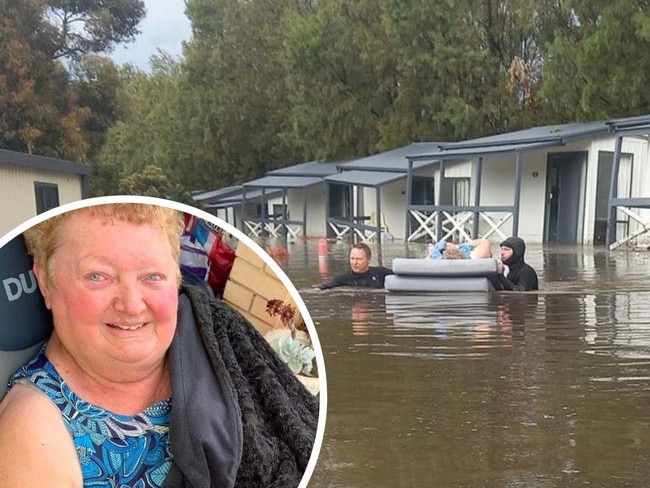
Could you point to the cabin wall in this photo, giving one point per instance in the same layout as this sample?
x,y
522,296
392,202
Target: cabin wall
x,y
393,205
637,150
498,188
316,208
17,191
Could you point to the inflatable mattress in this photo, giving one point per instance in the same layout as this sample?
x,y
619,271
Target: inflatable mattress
x,y
425,275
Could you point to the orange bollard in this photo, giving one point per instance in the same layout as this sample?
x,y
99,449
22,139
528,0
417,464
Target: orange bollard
x,y
322,247
323,269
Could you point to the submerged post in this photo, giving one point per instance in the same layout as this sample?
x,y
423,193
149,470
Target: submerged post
x,y
476,176
378,223
517,199
613,193
409,184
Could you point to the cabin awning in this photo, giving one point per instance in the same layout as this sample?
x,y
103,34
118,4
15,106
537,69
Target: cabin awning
x,y
366,178
284,182
312,168
393,160
472,152
211,196
252,196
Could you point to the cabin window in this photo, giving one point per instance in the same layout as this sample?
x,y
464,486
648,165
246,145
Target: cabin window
x,y
460,191
455,191
279,210
47,196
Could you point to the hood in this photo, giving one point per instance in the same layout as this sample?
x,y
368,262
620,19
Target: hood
x,y
518,247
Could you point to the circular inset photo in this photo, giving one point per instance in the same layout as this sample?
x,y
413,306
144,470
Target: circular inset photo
x,y
147,343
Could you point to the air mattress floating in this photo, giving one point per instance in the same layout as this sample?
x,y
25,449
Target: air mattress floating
x,y
424,275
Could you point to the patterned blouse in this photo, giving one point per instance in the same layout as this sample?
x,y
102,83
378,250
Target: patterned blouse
x,y
115,451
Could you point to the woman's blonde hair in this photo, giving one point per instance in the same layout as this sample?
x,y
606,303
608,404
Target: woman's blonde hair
x,y
44,238
453,253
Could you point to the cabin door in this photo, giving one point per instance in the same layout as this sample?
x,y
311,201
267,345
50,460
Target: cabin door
x,y
562,222
339,203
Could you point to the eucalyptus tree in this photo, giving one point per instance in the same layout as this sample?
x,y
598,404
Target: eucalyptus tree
x,y
38,112
40,106
342,72
600,66
74,28
153,128
236,68
469,68
97,83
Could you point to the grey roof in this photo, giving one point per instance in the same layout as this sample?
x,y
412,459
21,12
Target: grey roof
x,y
366,178
42,162
393,160
529,139
252,196
312,168
284,182
562,132
630,123
463,153
218,194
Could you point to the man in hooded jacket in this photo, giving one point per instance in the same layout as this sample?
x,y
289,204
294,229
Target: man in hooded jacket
x,y
513,273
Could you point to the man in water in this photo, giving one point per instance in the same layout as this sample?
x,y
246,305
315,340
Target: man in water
x,y
513,273
361,273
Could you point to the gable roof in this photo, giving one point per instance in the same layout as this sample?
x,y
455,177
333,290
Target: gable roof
x,y
529,139
42,162
560,133
208,196
312,168
393,160
256,195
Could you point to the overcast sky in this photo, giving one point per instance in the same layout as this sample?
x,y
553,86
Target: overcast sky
x,y
165,27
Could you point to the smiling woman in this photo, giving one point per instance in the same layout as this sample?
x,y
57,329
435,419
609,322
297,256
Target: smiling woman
x,y
129,342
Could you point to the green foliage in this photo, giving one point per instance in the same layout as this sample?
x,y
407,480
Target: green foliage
x,y
74,28
97,83
297,356
269,83
341,73
600,67
152,182
39,112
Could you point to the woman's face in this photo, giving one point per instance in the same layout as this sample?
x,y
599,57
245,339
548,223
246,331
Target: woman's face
x,y
115,294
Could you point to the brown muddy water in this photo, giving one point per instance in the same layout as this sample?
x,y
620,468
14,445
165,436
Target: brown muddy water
x,y
548,389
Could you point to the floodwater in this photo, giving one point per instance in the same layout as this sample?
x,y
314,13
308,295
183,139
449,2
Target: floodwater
x,y
547,389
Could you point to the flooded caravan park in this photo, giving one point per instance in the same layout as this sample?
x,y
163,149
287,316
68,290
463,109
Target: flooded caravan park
x,y
548,389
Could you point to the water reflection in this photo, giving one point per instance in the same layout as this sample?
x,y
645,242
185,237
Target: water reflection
x,y
547,389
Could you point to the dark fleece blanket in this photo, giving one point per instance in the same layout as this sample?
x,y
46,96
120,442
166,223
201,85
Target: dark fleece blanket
x,y
240,418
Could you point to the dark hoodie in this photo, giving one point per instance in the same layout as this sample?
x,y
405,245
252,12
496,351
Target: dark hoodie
x,y
521,277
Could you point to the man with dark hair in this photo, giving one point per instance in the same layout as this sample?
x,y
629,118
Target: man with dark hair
x,y
361,273
513,273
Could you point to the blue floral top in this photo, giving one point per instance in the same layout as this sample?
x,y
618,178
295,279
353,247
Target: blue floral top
x,y
438,250
115,451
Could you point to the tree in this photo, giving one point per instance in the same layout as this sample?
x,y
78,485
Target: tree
x,y
235,64
38,111
600,67
152,182
97,83
77,27
342,77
